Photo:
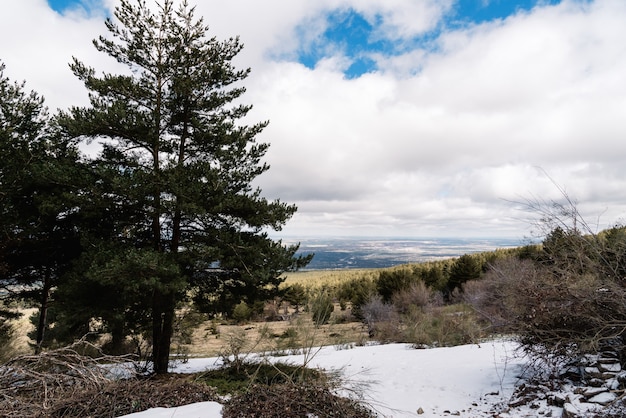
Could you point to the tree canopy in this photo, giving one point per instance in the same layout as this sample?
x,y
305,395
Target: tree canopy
x,y
167,209
38,168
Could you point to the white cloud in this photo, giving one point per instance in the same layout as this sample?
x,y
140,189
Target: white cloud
x,y
436,142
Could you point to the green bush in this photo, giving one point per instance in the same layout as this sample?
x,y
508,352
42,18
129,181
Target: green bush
x,y
321,306
356,292
296,295
443,326
242,312
392,281
465,268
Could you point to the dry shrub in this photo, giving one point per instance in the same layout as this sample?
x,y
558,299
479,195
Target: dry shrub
x,y
442,326
31,384
416,295
382,321
65,383
294,400
125,397
557,313
495,295
417,316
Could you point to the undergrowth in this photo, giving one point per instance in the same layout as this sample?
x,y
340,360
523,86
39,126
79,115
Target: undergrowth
x,y
235,380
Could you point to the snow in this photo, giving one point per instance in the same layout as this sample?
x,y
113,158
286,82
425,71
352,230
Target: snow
x,y
397,380
196,410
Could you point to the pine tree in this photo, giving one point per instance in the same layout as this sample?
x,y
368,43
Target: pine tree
x,y
38,235
465,268
177,166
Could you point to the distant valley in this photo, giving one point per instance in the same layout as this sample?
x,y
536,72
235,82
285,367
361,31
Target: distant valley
x,y
343,253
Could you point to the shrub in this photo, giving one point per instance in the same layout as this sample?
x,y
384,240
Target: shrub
x,y
381,320
296,295
242,312
551,312
442,326
416,295
231,380
291,400
417,315
321,306
390,282
356,292
465,268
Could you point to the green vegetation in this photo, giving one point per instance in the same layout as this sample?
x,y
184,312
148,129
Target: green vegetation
x,y
235,380
118,243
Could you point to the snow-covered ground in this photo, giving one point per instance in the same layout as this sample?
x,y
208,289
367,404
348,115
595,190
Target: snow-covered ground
x,y
398,381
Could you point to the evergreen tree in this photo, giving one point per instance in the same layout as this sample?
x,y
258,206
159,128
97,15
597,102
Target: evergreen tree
x,y
176,167
38,236
465,268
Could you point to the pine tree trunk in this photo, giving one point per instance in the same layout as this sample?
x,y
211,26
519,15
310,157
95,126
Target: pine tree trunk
x,y
162,330
43,312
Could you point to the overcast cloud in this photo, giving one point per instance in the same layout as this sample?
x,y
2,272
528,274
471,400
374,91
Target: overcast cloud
x,y
449,125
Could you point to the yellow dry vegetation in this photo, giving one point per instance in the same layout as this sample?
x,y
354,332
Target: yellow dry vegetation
x,y
315,279
276,337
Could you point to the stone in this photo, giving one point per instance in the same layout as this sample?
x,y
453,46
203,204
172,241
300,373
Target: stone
x,y
603,398
610,367
571,372
591,392
557,399
609,354
612,384
420,411
596,382
593,372
570,411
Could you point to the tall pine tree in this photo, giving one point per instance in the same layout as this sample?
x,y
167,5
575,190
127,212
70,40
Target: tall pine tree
x,y
176,168
38,234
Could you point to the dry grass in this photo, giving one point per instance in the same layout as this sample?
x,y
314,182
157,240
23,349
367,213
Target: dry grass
x,y
294,401
211,338
315,279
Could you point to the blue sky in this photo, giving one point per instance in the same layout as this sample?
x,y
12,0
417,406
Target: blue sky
x,y
355,35
397,118
61,5
86,7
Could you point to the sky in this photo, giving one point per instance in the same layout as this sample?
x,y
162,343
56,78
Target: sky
x,y
409,118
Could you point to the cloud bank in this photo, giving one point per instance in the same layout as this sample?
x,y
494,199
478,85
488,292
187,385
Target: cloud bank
x,y
449,124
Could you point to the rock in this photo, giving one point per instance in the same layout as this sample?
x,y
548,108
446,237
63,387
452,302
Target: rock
x,y
596,382
570,411
610,367
420,411
603,398
612,384
590,392
589,359
609,354
571,372
593,372
557,399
